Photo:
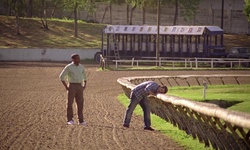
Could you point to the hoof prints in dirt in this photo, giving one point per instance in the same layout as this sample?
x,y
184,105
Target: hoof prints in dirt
x,y
33,111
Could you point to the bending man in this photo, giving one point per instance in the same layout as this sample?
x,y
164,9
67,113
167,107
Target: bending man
x,y
139,96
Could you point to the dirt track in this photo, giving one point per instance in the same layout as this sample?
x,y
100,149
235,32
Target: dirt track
x,y
33,110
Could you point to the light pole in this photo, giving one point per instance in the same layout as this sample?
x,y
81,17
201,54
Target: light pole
x,y
158,32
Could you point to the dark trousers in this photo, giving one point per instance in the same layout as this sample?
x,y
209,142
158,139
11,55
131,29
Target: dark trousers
x,y
75,91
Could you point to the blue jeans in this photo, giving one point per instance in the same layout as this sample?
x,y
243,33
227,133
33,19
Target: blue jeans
x,y
145,107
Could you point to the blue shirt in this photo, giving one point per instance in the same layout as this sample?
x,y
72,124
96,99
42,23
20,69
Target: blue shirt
x,y
142,89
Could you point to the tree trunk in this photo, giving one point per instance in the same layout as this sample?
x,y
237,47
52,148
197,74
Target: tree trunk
x,y
143,15
53,10
29,9
44,16
176,12
17,23
75,20
127,13
110,12
105,11
131,15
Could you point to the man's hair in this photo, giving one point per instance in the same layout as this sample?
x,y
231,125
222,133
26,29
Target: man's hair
x,y
73,56
165,88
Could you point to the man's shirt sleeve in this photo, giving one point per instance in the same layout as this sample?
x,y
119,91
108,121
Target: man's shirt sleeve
x,y
64,73
151,87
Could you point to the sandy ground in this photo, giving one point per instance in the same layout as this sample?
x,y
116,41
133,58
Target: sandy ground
x,y
33,110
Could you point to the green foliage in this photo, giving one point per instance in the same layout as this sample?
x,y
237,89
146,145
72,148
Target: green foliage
x,y
18,6
246,10
59,35
189,8
71,4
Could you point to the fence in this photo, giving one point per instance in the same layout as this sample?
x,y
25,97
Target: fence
x,y
187,62
212,125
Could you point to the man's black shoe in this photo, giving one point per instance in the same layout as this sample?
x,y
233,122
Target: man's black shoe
x,y
126,125
149,128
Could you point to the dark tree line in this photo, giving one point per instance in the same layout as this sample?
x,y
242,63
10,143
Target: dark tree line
x,y
40,8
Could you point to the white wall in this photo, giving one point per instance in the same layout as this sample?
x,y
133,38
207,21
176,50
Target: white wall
x,y
44,54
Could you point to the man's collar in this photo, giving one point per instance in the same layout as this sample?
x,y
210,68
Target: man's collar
x,y
74,63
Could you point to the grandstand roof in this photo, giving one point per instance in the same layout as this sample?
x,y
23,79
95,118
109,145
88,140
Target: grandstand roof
x,y
169,30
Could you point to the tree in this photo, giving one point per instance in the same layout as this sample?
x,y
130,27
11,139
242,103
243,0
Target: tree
x,y
74,6
246,10
19,7
29,8
44,14
55,4
109,5
40,7
90,7
188,8
146,4
134,4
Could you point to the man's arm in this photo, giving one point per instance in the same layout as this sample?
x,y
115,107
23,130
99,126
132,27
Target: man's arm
x,y
151,88
65,85
151,93
62,77
84,78
85,84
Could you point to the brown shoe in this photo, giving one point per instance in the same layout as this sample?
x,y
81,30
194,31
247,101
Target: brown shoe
x,y
149,128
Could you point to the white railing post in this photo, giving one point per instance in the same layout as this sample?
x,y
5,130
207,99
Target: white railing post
x,y
116,64
196,63
212,63
132,62
204,89
185,62
160,62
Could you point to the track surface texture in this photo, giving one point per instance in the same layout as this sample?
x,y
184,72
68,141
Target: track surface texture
x,y
33,110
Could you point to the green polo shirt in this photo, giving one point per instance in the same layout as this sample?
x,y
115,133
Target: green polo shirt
x,y
73,73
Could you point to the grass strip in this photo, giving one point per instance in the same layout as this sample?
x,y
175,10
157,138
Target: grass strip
x,y
234,97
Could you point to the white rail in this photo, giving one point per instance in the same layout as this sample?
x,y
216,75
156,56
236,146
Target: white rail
x,y
215,126
187,62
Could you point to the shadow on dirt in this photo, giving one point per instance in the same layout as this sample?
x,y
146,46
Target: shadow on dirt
x,y
223,103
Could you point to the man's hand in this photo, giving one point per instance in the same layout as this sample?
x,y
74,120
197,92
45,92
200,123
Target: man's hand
x,y
65,85
151,93
84,86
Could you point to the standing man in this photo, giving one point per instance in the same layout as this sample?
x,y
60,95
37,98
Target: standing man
x,y
75,75
139,96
